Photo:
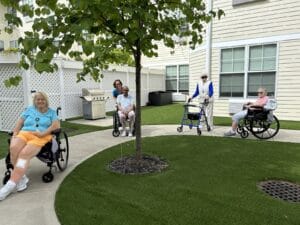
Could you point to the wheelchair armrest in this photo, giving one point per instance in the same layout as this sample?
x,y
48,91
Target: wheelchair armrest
x,y
56,131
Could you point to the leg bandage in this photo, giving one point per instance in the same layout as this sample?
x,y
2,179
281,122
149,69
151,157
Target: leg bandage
x,y
21,163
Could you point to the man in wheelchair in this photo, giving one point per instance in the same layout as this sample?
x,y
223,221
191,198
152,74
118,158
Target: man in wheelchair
x,y
32,131
125,106
249,108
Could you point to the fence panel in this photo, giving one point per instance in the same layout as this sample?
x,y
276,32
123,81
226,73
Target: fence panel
x,y
64,91
11,99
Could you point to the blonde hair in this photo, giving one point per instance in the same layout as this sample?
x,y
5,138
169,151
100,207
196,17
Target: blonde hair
x,y
43,94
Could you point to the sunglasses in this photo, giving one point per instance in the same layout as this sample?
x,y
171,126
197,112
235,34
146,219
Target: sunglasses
x,y
260,92
204,77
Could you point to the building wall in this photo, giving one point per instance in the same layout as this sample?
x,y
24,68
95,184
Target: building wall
x,y
3,35
261,22
257,19
167,56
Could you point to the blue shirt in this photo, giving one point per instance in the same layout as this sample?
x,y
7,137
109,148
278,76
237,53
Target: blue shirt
x,y
115,92
37,121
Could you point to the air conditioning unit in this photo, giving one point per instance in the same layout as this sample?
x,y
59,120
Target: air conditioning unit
x,y
236,105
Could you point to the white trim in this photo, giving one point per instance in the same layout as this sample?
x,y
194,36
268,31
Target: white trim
x,y
253,41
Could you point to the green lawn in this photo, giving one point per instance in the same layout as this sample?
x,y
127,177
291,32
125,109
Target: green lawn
x,y
210,181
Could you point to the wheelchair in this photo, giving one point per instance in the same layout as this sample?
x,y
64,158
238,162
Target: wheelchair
x,y
117,125
48,155
261,123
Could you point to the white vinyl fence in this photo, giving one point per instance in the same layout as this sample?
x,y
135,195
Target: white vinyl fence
x,y
64,91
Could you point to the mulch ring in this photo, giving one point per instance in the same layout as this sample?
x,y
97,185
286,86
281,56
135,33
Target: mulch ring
x,y
130,165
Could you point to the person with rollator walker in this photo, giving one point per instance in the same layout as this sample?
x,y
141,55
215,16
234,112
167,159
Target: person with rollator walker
x,y
205,91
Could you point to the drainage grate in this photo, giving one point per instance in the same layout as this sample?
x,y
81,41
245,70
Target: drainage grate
x,y
283,190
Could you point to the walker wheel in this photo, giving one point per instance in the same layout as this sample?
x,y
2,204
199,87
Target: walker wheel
x,y
48,177
208,128
179,129
116,133
199,132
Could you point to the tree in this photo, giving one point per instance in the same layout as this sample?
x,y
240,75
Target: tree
x,y
104,28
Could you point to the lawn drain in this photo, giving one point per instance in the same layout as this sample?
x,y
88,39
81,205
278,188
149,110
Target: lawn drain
x,y
283,190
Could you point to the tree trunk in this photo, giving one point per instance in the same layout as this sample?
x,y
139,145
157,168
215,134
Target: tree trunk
x,y
138,130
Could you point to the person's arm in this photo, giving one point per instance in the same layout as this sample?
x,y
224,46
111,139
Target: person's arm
x,y
54,126
19,125
210,90
196,93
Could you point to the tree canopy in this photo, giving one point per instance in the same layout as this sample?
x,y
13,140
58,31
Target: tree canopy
x,y
108,31
100,27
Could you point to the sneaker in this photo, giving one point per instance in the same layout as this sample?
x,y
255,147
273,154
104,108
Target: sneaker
x,y
229,133
129,134
22,185
123,133
7,189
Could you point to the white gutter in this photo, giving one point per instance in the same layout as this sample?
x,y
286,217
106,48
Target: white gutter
x,y
208,41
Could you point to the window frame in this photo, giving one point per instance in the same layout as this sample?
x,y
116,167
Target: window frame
x,y
247,70
177,78
240,2
232,73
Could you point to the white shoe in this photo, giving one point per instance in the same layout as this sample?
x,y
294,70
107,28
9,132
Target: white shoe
x,y
129,134
123,133
7,189
22,185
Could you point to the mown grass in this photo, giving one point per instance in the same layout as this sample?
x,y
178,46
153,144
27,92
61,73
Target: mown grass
x,y
209,181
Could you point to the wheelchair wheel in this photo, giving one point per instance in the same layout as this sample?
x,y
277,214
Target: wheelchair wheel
x,y
179,129
62,156
116,133
265,129
6,177
199,132
47,177
244,134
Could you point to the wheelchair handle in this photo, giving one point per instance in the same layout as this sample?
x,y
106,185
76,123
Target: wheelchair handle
x,y
58,109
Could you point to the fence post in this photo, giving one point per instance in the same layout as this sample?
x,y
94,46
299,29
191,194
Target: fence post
x,y
26,77
62,89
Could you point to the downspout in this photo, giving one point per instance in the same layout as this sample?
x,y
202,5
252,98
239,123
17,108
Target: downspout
x,y
209,41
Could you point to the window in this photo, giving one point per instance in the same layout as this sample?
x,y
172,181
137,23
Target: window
x,y
13,44
1,46
11,11
232,72
261,71
177,78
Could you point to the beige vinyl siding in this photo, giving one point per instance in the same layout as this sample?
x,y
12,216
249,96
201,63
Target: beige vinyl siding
x,y
257,19
167,56
288,80
197,66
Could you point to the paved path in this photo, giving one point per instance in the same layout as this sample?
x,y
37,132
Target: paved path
x,y
35,206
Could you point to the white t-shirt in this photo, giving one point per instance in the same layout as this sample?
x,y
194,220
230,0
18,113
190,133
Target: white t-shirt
x,y
125,102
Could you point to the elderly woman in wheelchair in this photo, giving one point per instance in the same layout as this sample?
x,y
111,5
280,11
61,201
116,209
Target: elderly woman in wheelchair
x,y
256,118
32,131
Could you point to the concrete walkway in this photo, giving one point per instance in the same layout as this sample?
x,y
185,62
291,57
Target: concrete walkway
x,y
35,206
